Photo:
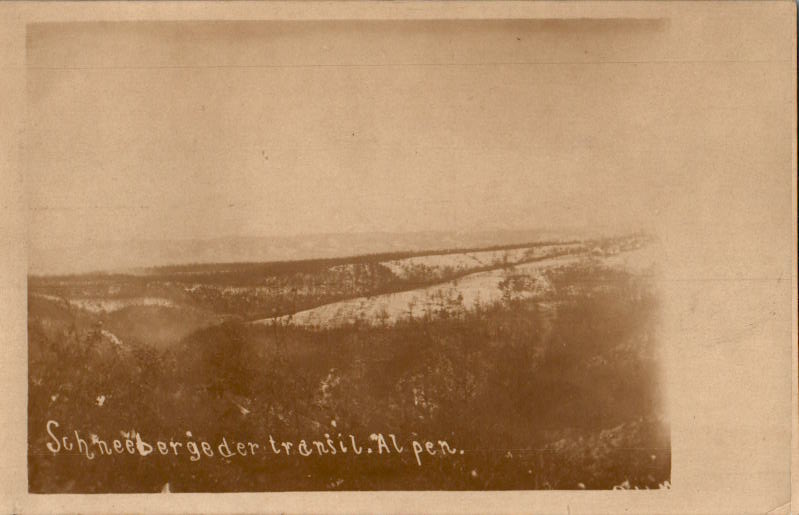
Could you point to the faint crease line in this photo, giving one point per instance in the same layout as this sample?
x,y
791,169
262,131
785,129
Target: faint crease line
x,y
388,65
101,207
783,508
83,208
710,279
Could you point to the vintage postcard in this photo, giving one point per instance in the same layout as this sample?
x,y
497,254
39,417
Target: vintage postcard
x,y
412,257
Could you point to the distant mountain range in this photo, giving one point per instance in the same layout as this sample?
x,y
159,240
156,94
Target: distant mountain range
x,y
117,256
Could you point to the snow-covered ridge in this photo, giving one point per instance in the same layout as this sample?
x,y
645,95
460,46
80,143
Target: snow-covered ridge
x,y
111,305
440,264
466,293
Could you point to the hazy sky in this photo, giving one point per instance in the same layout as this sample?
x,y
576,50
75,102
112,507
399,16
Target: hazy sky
x,y
200,130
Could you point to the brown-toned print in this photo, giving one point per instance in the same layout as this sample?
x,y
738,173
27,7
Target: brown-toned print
x,y
355,255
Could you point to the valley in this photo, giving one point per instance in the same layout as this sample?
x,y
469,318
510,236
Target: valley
x,y
554,342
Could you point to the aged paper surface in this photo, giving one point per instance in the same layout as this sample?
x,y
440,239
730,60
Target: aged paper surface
x,y
409,257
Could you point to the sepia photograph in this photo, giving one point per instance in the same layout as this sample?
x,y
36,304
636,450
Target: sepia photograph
x,y
336,275
442,257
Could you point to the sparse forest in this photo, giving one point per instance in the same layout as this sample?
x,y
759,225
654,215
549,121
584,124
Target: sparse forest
x,y
557,389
